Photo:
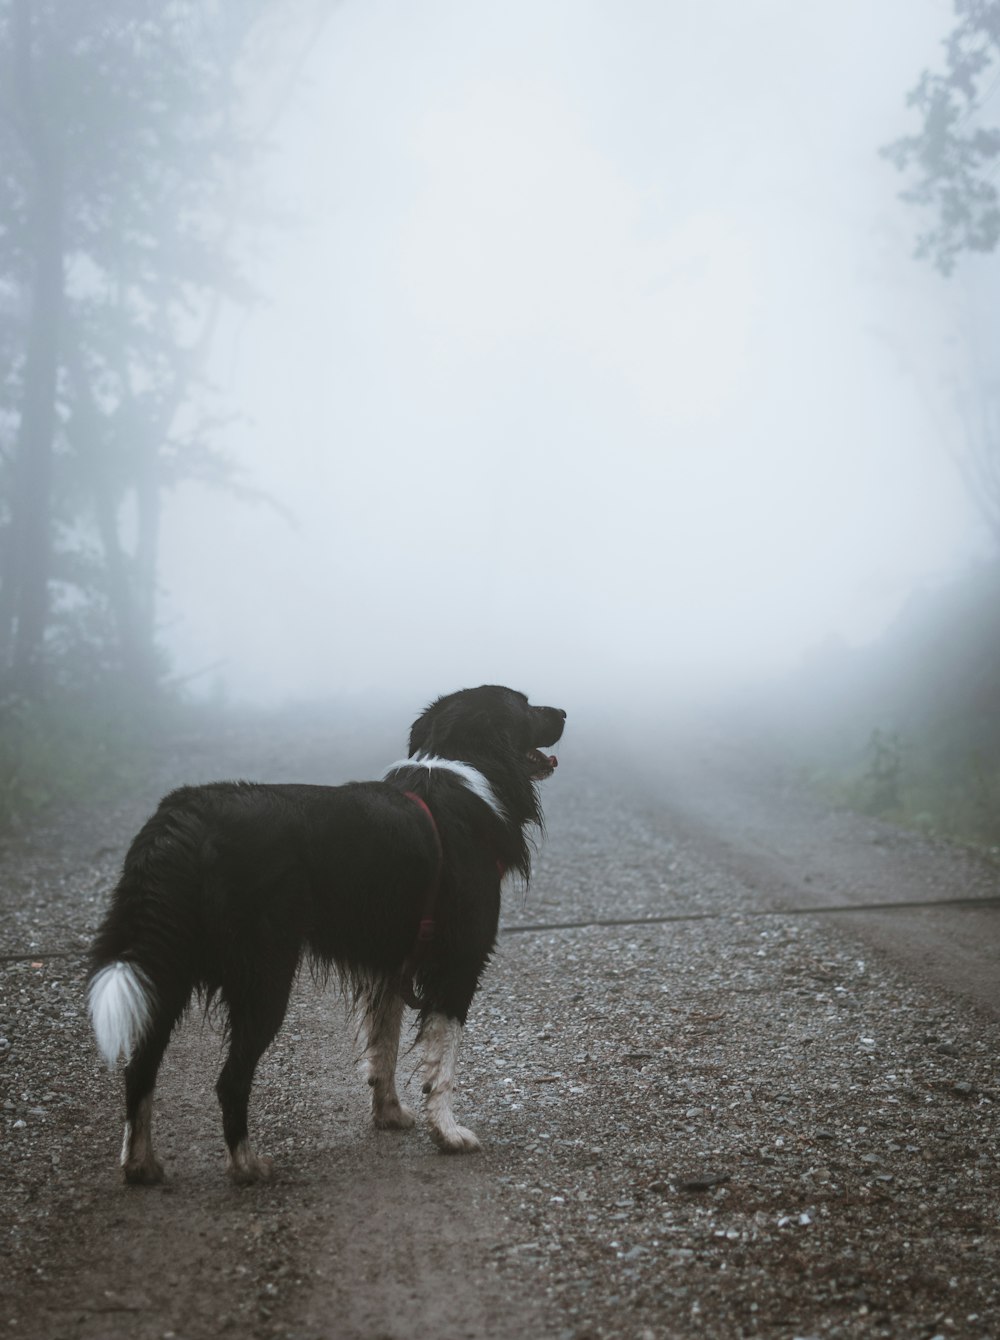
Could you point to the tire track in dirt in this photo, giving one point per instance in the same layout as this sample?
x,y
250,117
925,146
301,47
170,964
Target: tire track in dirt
x,y
748,816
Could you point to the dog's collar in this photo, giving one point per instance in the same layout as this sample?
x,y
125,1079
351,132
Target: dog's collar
x,y
471,776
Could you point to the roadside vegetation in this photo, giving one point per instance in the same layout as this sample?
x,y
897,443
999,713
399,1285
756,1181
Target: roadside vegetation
x,y
71,749
908,729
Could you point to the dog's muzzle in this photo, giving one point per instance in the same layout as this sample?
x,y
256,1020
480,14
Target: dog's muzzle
x,y
551,721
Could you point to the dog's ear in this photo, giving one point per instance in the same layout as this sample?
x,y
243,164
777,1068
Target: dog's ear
x,y
419,736
422,730
451,730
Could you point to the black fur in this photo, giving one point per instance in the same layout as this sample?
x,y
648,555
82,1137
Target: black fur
x,y
228,886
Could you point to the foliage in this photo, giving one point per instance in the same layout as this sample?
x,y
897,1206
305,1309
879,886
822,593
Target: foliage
x,y
121,150
879,790
70,749
954,156
908,729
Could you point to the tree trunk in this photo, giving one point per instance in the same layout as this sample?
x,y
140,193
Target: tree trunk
x,y
31,510
87,431
147,546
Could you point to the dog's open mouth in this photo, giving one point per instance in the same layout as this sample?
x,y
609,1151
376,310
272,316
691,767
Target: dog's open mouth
x,y
542,765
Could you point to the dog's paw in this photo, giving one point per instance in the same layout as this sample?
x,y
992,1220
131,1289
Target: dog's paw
x,y
143,1172
247,1168
249,1174
455,1139
393,1116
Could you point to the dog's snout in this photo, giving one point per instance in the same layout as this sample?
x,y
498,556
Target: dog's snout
x,y
554,719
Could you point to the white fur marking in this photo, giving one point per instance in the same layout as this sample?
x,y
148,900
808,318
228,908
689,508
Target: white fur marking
x,y
120,1000
441,1038
471,776
382,1023
245,1166
140,1163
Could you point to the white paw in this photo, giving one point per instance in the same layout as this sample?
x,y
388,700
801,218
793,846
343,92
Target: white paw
x,y
246,1167
455,1139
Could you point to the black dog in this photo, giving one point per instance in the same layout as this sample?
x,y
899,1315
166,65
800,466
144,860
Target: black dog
x,y
395,885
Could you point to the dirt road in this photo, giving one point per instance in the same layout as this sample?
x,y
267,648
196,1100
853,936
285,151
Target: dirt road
x,y
723,1115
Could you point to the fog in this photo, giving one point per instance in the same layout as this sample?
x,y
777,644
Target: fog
x,y
595,357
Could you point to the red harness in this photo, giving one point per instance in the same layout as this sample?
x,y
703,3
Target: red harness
x,y
426,929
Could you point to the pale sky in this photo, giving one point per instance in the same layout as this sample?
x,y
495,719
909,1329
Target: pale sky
x,y
597,359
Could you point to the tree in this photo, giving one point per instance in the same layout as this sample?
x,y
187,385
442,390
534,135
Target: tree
x,y
120,146
955,156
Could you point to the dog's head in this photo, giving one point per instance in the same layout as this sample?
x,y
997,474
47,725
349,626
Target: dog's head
x,y
500,734
490,725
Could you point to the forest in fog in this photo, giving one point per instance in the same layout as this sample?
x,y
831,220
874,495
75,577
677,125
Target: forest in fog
x,y
352,352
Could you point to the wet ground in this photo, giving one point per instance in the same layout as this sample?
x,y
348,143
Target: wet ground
x,y
712,1101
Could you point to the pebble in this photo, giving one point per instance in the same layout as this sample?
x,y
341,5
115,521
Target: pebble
x,y
702,1181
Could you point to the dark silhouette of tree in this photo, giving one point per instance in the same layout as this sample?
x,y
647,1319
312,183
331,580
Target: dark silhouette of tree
x,y
120,154
954,157
954,165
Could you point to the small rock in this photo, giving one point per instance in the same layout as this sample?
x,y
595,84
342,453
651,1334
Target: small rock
x,y
701,1181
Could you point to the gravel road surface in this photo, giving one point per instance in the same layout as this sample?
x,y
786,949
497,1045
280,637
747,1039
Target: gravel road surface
x,y
710,1105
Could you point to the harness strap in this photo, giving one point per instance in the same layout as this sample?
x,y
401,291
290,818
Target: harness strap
x,y
425,931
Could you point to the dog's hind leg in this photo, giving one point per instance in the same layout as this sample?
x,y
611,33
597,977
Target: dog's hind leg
x,y
441,1035
139,1163
383,1019
256,1012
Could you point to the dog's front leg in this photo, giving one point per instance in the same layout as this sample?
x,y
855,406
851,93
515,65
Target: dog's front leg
x,y
383,1019
441,1036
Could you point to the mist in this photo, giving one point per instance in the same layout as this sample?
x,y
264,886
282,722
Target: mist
x,y
355,352
593,357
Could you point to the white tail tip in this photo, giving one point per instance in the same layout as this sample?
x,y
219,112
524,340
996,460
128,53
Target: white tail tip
x,y
121,1001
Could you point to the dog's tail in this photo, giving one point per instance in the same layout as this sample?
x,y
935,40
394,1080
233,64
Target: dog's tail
x,y
138,977
120,998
